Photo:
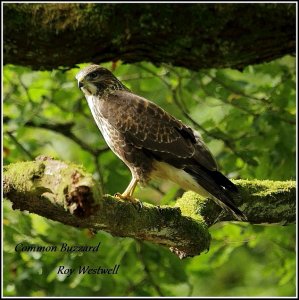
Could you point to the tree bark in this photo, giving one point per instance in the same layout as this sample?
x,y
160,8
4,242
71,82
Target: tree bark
x,y
194,36
68,194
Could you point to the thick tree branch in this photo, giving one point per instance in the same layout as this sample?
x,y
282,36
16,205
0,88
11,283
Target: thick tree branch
x,y
188,35
66,193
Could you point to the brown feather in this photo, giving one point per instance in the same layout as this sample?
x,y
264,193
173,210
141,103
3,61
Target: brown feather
x,y
146,125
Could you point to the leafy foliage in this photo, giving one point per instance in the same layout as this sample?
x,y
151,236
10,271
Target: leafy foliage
x,y
248,121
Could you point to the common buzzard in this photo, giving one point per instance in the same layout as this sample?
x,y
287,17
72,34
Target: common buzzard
x,y
151,142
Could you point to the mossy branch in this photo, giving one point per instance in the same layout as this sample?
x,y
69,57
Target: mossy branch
x,y
191,35
66,193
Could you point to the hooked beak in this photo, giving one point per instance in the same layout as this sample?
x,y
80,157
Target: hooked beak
x,y
80,84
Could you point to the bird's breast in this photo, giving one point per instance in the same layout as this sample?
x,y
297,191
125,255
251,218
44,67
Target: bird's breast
x,y
138,162
109,133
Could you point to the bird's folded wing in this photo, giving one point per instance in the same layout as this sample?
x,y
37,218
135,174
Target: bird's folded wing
x,y
147,126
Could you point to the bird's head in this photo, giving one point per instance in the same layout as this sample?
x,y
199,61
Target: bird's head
x,y
96,80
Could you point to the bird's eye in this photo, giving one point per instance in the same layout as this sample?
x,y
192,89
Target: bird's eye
x,y
93,75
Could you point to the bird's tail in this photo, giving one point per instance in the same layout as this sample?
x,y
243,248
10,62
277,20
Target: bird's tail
x,y
220,187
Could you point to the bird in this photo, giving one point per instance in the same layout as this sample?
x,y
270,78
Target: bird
x,y
151,142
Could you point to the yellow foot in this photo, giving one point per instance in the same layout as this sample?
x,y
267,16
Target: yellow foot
x,y
137,203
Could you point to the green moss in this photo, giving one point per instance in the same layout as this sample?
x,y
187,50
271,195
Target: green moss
x,y
163,224
24,174
273,200
191,205
265,188
54,180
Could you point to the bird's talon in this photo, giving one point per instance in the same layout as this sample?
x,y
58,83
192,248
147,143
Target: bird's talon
x,y
118,195
136,203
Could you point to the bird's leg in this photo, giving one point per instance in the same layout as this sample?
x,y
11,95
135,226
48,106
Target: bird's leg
x,y
130,189
128,193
